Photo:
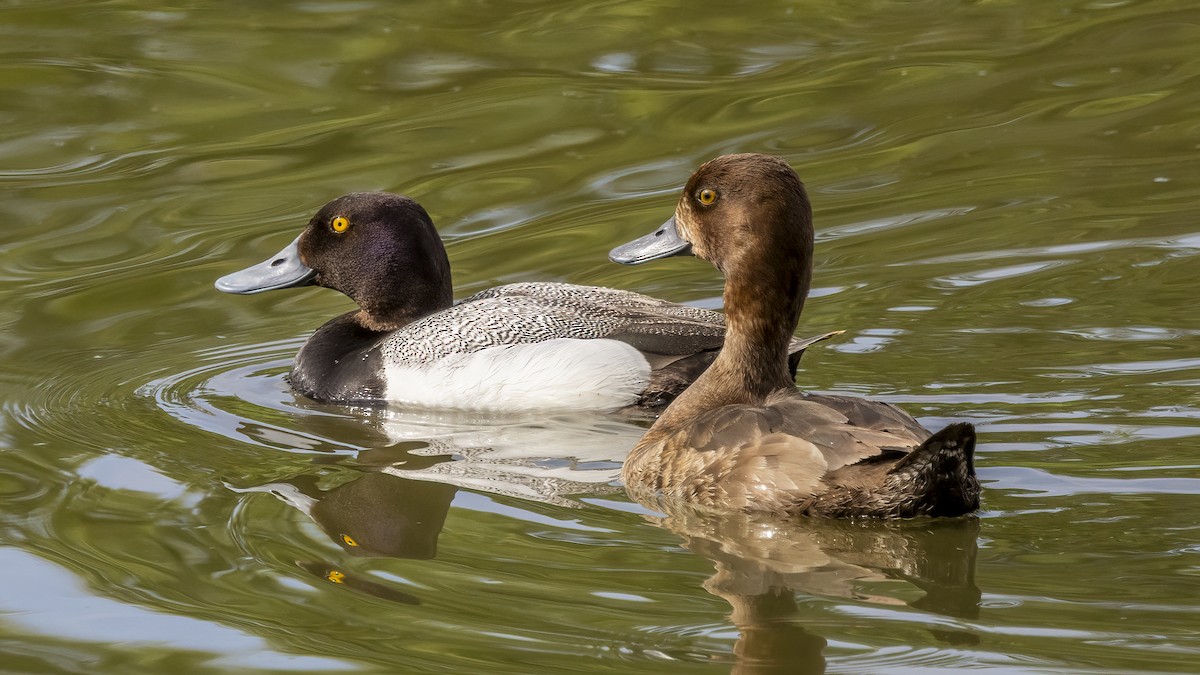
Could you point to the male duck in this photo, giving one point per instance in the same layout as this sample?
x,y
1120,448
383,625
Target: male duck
x,y
743,437
520,347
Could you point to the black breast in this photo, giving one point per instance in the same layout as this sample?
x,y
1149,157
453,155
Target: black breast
x,y
339,364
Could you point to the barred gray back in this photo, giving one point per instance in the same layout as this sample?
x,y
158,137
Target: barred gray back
x,y
525,313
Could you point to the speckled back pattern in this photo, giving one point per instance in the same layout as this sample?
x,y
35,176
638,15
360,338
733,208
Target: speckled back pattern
x,y
532,312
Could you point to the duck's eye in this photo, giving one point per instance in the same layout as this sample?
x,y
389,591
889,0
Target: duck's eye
x,y
349,541
340,224
707,196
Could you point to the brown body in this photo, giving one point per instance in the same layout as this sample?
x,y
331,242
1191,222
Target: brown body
x,y
743,437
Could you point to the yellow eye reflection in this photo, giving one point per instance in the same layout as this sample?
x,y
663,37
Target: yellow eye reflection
x,y
707,196
336,576
340,224
349,541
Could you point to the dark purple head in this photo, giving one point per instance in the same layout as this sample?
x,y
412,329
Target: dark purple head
x,y
379,249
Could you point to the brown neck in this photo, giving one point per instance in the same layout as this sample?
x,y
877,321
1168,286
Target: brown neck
x,y
760,234
388,305
370,322
762,307
396,314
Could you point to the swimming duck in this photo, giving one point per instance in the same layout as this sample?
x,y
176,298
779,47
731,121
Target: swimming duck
x,y
742,437
519,347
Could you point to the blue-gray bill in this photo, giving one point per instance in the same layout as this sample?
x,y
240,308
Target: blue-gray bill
x,y
282,270
661,243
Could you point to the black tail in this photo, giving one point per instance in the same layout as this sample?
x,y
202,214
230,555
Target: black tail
x,y
939,476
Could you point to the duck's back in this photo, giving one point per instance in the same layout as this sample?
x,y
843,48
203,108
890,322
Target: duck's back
x,y
528,313
544,346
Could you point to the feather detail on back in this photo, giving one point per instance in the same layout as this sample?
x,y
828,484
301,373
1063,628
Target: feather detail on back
x,y
526,313
766,458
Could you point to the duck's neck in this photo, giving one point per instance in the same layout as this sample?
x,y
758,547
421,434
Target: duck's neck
x,y
385,308
761,312
762,307
396,315
325,367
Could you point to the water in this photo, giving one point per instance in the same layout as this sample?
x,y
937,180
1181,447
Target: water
x,y
1005,199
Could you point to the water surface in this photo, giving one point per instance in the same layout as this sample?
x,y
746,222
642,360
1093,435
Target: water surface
x,y
1005,196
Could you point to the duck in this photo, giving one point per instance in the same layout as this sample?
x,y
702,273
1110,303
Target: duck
x,y
515,348
743,437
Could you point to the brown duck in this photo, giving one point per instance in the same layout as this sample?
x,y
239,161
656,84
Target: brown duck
x,y
742,437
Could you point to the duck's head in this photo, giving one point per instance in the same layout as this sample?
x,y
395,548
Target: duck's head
x,y
379,249
740,212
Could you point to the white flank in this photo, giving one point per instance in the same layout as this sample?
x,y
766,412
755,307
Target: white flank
x,y
559,374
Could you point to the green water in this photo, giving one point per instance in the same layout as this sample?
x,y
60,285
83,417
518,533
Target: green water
x,y
1006,196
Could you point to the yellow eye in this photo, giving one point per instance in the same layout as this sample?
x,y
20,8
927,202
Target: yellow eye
x,y
336,576
349,541
340,224
707,196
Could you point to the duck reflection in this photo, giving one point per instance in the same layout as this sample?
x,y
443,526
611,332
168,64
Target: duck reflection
x,y
335,575
547,459
396,503
398,496
762,562
375,514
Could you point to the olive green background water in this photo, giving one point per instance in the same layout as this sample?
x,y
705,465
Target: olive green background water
x,y
1006,196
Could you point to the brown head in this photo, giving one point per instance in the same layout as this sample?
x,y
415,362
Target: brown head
x,y
746,211
379,249
748,215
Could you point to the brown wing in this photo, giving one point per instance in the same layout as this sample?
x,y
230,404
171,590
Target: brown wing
x,y
768,457
733,457
870,414
844,440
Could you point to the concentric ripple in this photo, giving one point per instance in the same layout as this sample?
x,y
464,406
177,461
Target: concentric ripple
x,y
239,392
